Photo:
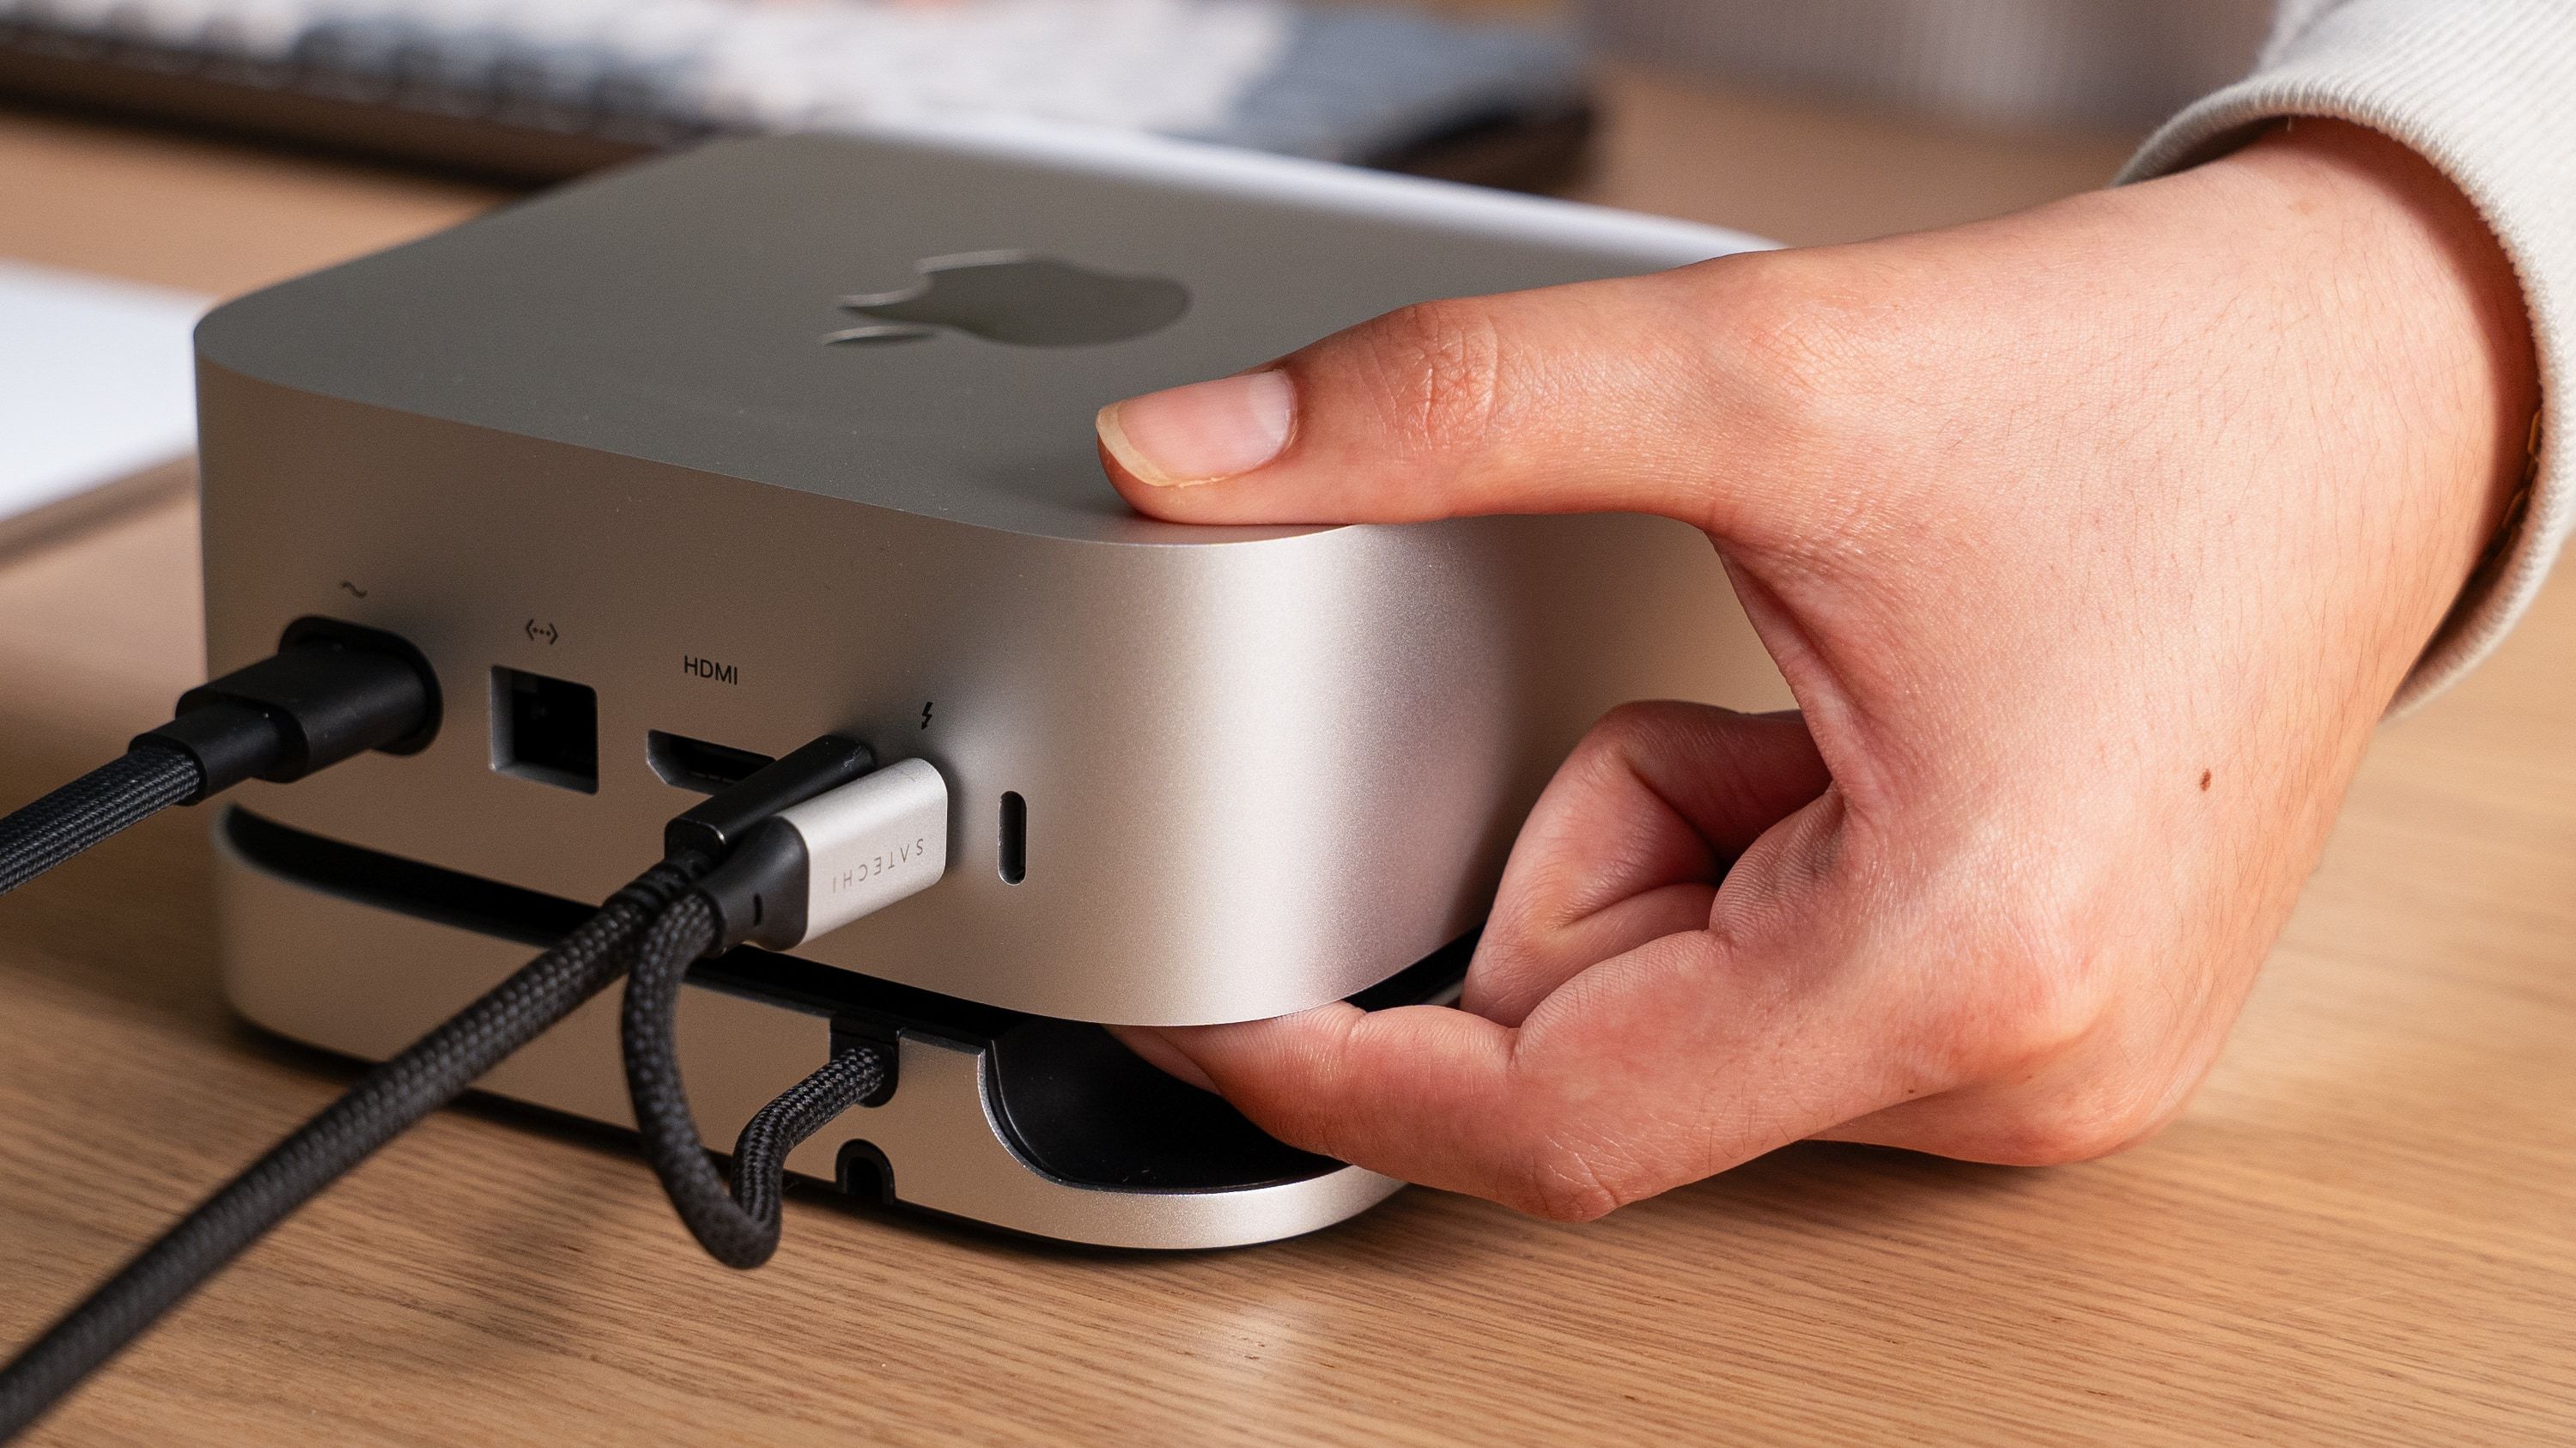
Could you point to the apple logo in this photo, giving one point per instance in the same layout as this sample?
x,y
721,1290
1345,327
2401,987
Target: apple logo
x,y
1020,298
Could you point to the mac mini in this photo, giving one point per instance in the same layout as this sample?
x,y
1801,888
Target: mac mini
x,y
671,470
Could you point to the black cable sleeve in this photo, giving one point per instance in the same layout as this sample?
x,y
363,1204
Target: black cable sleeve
x,y
427,1075
331,691
854,1074
116,796
738,1227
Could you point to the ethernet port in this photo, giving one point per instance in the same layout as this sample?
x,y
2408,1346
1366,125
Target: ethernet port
x,y
546,730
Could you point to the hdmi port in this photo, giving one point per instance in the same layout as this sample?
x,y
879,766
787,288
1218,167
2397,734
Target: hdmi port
x,y
696,764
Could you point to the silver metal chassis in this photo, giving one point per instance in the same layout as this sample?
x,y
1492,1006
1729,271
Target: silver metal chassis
x,y
1260,775
365,981
597,438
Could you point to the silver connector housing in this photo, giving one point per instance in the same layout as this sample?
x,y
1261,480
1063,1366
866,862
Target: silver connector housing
x,y
871,842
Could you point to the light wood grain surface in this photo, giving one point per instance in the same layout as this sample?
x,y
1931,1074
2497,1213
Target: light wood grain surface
x,y
2364,1230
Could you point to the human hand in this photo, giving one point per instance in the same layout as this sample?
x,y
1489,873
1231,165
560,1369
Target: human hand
x,y
2092,541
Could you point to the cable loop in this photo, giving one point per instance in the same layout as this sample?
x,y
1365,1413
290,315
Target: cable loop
x,y
737,1224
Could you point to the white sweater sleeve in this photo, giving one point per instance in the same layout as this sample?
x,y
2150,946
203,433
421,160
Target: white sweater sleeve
x,y
2486,91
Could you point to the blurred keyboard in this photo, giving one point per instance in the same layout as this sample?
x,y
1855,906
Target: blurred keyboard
x,y
546,88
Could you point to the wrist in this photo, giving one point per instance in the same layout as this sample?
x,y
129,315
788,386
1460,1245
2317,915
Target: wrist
x,y
2436,304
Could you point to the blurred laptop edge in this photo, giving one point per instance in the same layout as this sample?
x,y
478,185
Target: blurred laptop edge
x,y
97,398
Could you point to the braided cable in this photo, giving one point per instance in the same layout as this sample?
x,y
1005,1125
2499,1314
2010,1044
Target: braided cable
x,y
425,1076
853,1075
116,796
737,1226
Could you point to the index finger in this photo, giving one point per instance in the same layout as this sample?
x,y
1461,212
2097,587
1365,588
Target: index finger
x,y
1657,1067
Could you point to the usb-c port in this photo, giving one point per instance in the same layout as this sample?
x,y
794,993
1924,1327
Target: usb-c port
x,y
696,764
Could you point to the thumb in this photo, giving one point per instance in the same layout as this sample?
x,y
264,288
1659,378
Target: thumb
x,y
1631,395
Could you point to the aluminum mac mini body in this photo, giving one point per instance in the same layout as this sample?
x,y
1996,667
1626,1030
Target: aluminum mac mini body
x,y
681,467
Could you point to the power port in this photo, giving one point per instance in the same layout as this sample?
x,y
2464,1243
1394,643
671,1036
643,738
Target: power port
x,y
696,764
546,730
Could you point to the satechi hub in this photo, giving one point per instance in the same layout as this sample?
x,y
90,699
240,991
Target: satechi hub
x,y
668,471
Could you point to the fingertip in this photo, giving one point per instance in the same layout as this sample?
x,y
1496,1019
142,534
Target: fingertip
x,y
1235,502
1164,1054
1281,1056
1145,498
1202,433
1284,1056
1119,457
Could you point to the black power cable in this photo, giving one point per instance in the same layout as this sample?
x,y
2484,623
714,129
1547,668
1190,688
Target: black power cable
x,y
117,795
330,692
430,1073
738,1228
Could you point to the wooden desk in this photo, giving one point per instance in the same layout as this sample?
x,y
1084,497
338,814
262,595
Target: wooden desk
x,y
2362,1232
